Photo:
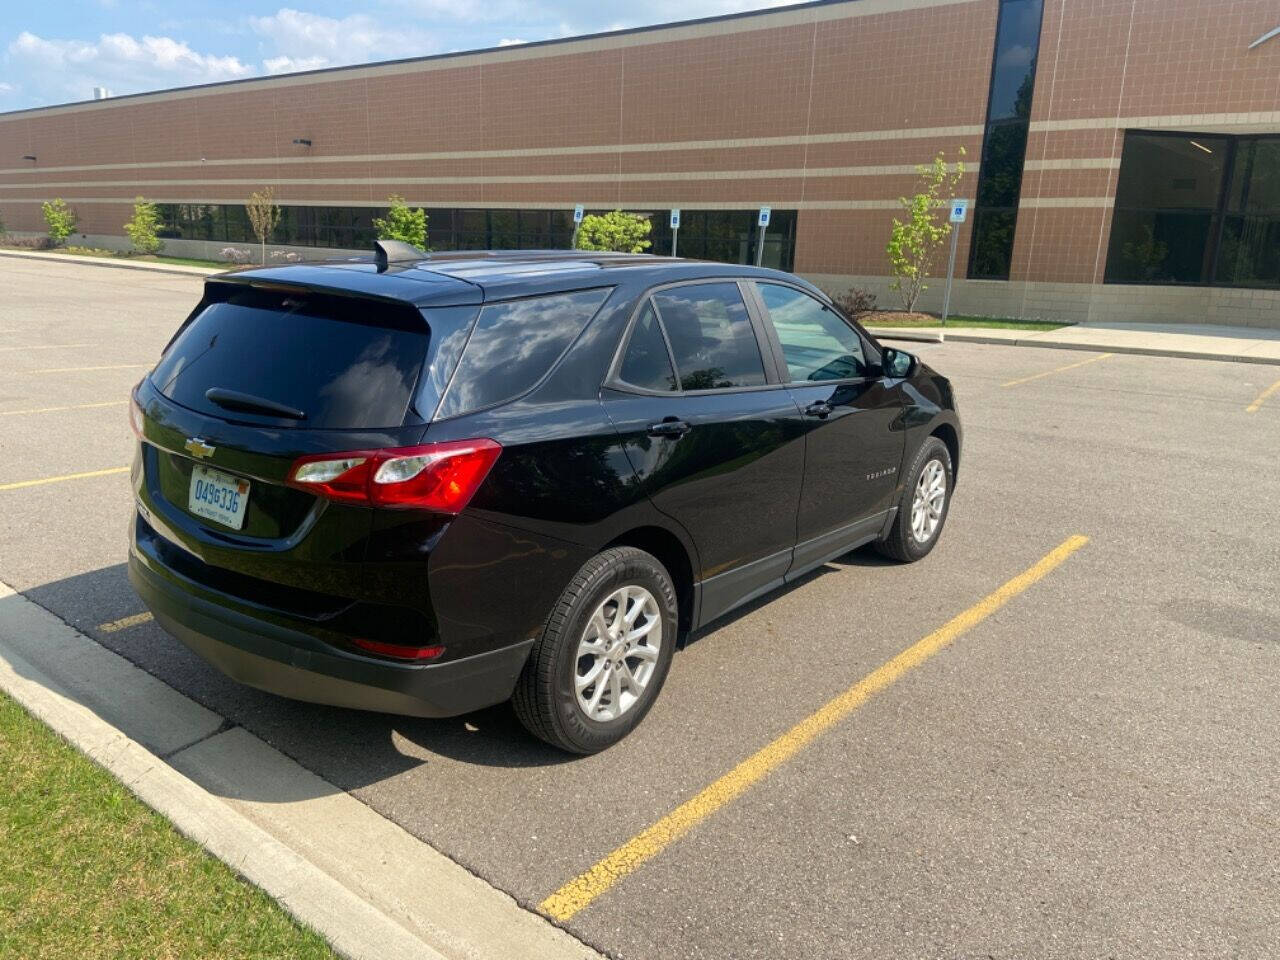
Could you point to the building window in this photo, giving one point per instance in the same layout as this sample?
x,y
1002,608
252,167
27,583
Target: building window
x,y
1197,209
1249,247
726,235
1004,144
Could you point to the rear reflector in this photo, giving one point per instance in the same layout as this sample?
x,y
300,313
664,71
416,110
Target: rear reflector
x,y
441,477
135,414
398,651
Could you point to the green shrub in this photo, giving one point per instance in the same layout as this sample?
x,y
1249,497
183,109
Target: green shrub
x,y
61,219
402,223
142,228
614,231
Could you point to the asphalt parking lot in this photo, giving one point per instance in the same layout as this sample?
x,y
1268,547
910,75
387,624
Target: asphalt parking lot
x,y
1090,771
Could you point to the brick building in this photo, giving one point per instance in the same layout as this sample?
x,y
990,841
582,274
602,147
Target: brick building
x,y
1124,154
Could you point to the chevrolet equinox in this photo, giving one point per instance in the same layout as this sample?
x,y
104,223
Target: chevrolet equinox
x,y
425,484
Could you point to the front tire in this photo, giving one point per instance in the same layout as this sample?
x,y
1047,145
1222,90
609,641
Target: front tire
x,y
923,507
603,655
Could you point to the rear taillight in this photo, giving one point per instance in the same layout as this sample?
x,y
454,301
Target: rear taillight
x,y
441,477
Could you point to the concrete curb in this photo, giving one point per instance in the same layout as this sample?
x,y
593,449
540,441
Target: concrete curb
x,y
914,336
174,268
332,862
960,336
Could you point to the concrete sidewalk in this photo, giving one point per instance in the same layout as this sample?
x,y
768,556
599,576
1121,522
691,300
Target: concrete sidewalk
x,y
374,891
118,262
1191,341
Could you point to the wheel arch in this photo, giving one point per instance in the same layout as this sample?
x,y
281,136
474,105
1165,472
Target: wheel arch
x,y
672,554
948,434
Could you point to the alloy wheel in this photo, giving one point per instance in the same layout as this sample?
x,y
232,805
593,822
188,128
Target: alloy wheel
x,y
929,500
618,653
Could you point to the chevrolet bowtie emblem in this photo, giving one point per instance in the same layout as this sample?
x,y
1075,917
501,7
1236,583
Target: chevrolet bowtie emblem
x,y
198,448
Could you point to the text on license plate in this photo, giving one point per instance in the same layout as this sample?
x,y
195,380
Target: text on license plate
x,y
218,496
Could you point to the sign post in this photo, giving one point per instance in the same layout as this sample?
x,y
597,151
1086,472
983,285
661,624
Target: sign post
x,y
763,223
577,222
675,229
959,214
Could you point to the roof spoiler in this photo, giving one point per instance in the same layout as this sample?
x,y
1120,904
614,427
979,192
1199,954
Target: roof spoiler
x,y
386,252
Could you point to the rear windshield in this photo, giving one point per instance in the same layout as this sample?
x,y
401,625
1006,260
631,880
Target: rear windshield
x,y
340,362
514,345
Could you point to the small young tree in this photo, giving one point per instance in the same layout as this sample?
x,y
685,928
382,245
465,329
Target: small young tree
x,y
263,216
913,244
143,227
402,223
61,219
614,231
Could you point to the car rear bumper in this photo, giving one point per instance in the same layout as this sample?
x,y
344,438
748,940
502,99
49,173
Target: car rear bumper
x,y
293,664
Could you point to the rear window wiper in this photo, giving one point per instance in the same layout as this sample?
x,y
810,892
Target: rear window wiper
x,y
247,403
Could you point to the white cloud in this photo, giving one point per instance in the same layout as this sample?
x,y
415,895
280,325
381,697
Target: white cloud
x,y
307,41
284,64
54,70
508,42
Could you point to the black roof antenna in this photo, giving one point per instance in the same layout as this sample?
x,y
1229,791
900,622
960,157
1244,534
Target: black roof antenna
x,y
386,252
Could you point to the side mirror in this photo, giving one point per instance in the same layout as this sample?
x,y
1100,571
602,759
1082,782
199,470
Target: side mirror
x,y
897,364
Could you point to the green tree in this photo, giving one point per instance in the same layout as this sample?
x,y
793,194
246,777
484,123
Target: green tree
x,y
263,216
614,231
402,223
61,219
914,243
143,227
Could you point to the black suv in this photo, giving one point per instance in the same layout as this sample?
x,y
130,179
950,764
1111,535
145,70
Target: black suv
x,y
427,484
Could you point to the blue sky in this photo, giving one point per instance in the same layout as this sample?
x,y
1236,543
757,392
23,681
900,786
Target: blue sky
x,y
55,52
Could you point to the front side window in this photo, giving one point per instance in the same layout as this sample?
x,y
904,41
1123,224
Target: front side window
x,y
816,343
711,336
513,346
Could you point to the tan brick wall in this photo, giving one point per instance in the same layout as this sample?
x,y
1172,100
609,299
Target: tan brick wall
x,y
825,109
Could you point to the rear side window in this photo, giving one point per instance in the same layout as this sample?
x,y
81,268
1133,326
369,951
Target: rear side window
x,y
711,336
514,345
646,363
342,362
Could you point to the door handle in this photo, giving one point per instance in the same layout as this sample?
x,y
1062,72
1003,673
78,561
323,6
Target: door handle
x,y
821,409
670,427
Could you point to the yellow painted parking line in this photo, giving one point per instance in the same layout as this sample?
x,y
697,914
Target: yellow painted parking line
x,y
1262,398
50,346
1049,373
110,366
115,626
579,892
66,476
73,406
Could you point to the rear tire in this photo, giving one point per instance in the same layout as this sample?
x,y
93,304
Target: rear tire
x,y
603,655
921,512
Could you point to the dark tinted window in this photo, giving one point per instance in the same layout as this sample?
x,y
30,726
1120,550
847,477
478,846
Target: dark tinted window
x,y
1166,214
646,362
711,336
1014,70
1249,248
817,344
513,346
343,362
1004,144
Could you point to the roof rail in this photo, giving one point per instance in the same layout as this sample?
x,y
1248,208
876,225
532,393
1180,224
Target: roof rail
x,y
386,252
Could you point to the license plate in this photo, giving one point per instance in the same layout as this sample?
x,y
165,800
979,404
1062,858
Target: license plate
x,y
218,496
